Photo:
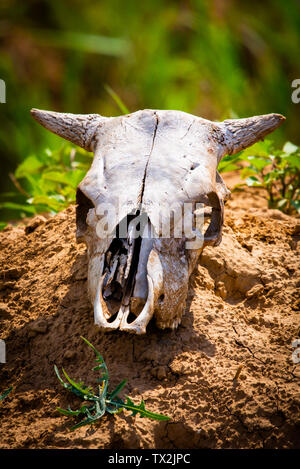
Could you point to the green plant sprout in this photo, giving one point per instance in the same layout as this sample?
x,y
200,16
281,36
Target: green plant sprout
x,y
275,170
47,182
102,401
5,394
120,104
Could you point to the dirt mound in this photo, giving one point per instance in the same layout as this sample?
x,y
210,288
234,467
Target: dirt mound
x,y
225,377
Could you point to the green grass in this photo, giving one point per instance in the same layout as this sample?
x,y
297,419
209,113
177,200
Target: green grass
x,y
47,182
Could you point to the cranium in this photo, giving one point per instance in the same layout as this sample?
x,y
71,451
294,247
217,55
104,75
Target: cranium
x,y
147,166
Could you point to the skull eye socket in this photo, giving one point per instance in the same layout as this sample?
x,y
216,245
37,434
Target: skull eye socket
x,y
83,205
213,234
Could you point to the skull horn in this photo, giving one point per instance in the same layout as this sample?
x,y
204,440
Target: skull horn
x,y
242,133
78,128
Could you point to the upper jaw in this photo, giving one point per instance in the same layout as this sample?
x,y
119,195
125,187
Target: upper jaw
x,y
121,319
126,284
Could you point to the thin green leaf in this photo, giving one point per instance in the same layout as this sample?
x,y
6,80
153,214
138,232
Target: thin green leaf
x,y
123,108
129,405
83,390
18,207
71,178
89,43
6,393
52,202
118,389
102,366
69,412
65,385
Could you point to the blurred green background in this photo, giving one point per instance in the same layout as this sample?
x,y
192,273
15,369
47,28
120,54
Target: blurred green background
x,y
213,58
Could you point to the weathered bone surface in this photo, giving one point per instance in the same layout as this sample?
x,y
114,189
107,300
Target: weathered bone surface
x,y
147,166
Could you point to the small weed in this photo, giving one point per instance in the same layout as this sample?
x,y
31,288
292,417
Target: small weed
x,y
47,182
276,170
101,401
5,394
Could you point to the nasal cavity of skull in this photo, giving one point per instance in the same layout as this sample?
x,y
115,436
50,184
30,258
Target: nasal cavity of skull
x,y
125,281
84,204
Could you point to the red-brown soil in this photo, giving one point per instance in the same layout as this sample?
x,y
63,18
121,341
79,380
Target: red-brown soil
x,y
225,377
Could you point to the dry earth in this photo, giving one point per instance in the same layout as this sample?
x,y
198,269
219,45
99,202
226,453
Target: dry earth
x,y
225,377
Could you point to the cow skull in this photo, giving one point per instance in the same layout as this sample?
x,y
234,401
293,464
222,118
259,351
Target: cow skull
x,y
147,167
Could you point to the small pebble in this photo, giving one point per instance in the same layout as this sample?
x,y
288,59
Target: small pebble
x,y
40,327
161,373
69,354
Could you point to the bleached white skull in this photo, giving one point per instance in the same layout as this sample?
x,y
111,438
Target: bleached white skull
x,y
150,170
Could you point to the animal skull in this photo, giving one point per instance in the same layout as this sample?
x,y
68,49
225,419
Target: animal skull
x,y
147,166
